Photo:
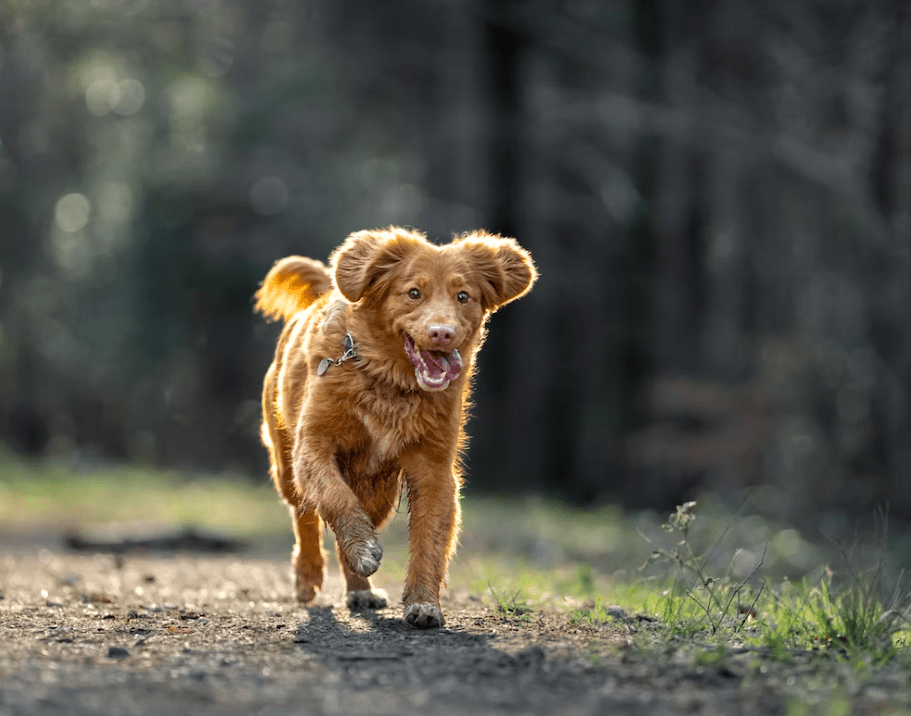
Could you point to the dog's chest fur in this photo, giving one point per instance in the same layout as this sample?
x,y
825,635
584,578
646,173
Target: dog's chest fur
x,y
393,420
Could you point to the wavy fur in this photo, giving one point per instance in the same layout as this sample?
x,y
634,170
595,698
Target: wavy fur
x,y
292,285
343,443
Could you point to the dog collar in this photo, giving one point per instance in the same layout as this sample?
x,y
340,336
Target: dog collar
x,y
350,352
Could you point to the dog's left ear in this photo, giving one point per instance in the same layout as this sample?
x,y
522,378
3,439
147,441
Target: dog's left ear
x,y
506,270
367,260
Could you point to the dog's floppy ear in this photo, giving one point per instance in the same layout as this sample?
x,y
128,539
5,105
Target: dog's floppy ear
x,y
506,270
368,260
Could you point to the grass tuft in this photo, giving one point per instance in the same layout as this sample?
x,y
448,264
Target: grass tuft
x,y
844,613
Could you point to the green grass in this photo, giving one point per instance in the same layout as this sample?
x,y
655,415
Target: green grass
x,y
35,492
850,613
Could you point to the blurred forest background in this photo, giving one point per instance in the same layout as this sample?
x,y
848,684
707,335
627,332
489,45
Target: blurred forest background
x,y
717,194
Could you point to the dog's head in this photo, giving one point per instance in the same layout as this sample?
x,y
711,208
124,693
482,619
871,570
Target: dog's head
x,y
432,299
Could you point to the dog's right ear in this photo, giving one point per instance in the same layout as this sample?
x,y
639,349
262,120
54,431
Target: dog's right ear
x,y
368,260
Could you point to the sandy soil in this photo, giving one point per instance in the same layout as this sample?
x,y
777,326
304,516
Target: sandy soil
x,y
184,634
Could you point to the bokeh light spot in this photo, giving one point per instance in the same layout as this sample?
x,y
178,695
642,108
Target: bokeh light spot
x,y
787,543
131,97
190,97
102,96
72,212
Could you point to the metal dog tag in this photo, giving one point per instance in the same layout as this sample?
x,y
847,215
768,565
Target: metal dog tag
x,y
323,366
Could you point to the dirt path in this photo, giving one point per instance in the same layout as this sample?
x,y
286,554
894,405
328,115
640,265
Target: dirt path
x,y
219,635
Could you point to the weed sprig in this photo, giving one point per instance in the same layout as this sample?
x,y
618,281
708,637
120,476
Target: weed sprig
x,y
848,617
714,596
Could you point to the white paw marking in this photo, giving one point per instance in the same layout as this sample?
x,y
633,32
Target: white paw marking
x,y
367,599
423,615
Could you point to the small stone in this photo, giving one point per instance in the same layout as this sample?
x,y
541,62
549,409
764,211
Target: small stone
x,y
617,612
117,652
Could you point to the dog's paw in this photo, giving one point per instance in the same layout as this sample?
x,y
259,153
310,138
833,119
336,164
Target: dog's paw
x,y
365,557
423,615
361,599
306,591
358,546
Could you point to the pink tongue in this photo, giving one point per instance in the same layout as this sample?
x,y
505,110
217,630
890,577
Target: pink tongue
x,y
437,369
440,366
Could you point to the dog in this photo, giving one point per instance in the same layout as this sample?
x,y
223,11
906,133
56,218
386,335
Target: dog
x,y
368,393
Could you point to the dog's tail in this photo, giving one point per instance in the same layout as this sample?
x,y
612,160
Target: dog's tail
x,y
291,285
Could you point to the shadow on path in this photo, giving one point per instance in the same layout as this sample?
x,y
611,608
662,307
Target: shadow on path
x,y
370,649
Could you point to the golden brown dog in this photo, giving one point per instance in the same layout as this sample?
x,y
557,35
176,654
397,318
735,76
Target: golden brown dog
x,y
368,390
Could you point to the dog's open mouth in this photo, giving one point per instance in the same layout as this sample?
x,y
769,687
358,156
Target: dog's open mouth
x,y
433,369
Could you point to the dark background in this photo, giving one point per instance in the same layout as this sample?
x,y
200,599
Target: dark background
x,y
717,195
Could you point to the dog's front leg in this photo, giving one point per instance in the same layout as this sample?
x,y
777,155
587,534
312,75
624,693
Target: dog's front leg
x,y
322,487
433,525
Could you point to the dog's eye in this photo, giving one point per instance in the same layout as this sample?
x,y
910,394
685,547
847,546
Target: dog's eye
x,y
463,297
414,293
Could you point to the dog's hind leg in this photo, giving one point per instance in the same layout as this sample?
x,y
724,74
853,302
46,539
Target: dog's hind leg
x,y
379,505
307,558
360,594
